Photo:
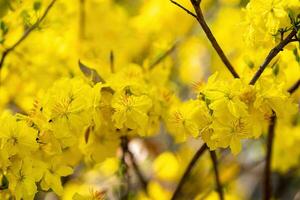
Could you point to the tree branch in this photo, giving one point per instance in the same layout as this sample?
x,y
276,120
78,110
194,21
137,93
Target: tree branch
x,y
212,39
188,170
183,8
126,151
26,34
217,176
271,55
267,171
124,169
162,57
294,87
138,172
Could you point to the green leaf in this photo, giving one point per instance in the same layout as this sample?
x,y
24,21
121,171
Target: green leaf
x,y
4,183
3,27
276,69
296,54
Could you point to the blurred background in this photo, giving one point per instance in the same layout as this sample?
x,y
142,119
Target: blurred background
x,y
143,32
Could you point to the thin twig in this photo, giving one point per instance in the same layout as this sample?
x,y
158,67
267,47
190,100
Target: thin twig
x,y
212,39
267,171
183,8
26,34
210,36
138,172
162,57
188,170
294,87
217,176
271,55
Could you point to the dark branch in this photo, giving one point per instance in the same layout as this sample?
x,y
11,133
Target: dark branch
x,y
26,34
217,176
267,171
126,151
124,169
272,54
183,8
294,87
138,172
212,39
188,170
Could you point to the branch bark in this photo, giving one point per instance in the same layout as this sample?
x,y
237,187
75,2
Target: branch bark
x,y
272,54
217,175
200,18
185,9
124,190
294,87
126,151
188,170
212,39
138,172
267,170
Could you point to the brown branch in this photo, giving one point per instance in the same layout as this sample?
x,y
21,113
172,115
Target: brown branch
x,y
138,172
126,151
124,169
212,39
183,8
26,34
294,87
294,40
217,176
267,171
162,57
272,54
188,170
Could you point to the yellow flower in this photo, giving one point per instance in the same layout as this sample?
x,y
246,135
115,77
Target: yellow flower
x,y
22,180
265,17
130,111
229,130
16,136
66,106
270,96
220,93
166,166
188,119
155,191
53,173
